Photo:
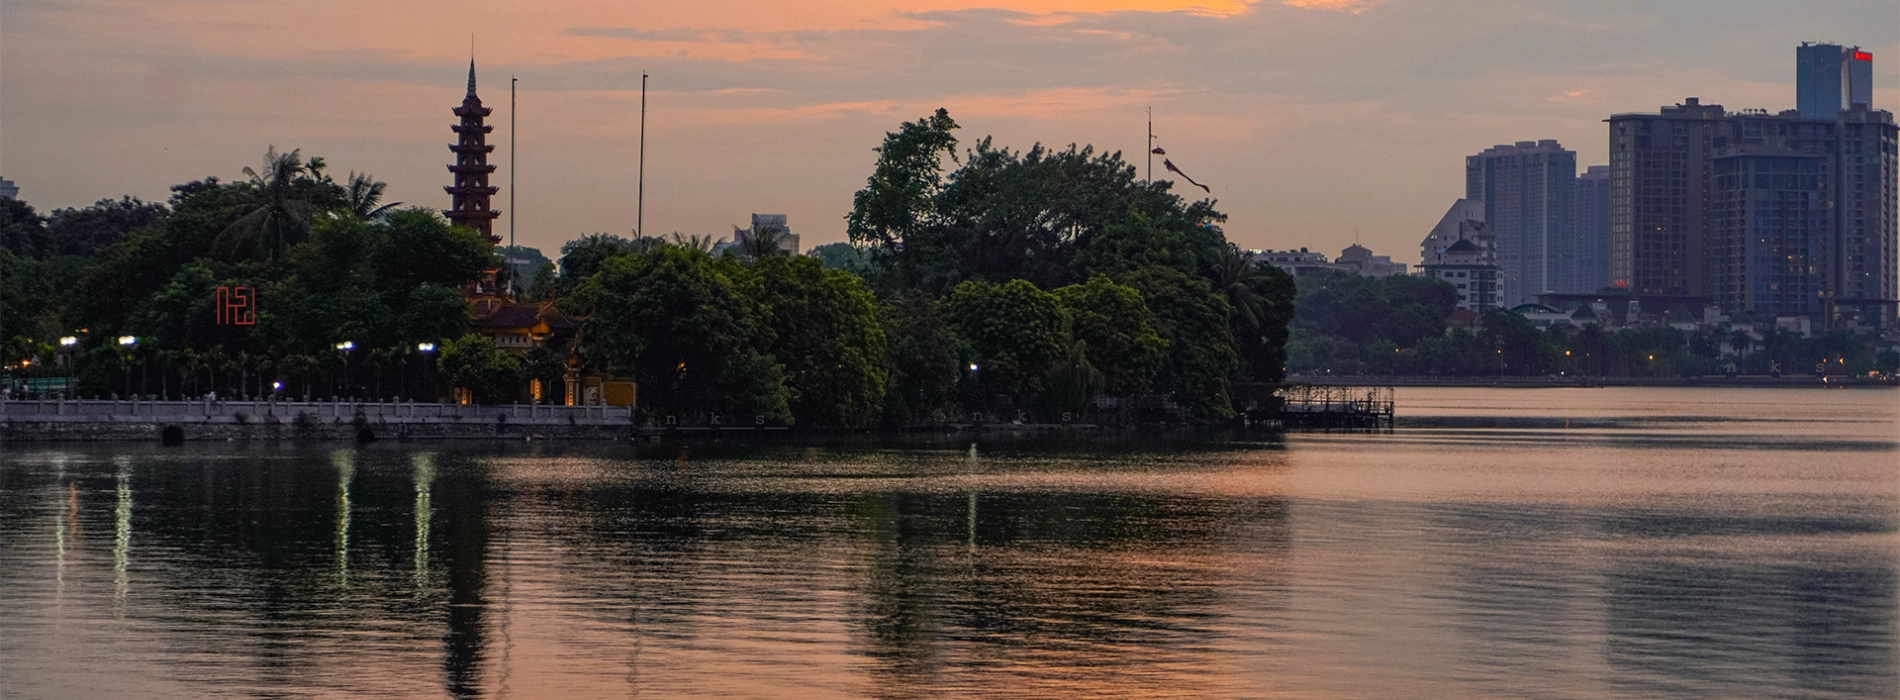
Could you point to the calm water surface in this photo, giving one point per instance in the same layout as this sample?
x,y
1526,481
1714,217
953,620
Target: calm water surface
x,y
1562,543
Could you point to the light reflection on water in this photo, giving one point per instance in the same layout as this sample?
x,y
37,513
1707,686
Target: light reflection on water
x,y
1501,543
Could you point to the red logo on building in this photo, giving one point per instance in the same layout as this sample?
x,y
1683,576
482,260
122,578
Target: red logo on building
x,y
237,306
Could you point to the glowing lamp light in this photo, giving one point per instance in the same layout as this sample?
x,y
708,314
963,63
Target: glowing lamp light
x,y
346,346
68,341
425,347
128,341
973,367
276,386
1863,56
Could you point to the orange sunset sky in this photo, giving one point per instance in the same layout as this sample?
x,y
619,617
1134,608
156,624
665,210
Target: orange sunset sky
x,y
1313,120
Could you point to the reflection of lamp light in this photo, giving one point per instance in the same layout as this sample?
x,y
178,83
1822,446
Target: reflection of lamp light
x,y
68,341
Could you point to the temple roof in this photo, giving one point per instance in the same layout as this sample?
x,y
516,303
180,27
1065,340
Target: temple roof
x,y
526,316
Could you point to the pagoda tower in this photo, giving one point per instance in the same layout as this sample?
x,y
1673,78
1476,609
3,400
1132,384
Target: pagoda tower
x,y
469,195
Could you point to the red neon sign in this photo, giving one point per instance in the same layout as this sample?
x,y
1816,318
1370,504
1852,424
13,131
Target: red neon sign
x,y
1863,56
236,306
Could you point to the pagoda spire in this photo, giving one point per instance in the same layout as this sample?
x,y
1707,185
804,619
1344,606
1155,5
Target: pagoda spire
x,y
469,195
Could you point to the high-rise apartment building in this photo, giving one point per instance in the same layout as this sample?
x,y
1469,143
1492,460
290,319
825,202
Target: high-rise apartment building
x,y
1589,270
1830,78
1659,197
1766,213
1527,189
1860,77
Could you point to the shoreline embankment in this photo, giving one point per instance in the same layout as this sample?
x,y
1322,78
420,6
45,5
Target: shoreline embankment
x,y
1747,381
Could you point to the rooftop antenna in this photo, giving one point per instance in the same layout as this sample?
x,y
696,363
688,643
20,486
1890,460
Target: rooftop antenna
x,y
640,200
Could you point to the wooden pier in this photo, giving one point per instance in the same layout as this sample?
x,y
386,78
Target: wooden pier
x,y
1317,407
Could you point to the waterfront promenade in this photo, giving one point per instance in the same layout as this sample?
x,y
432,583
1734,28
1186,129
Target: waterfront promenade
x,y
206,418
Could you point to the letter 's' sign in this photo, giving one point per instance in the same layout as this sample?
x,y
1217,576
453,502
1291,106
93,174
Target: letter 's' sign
x,y
236,306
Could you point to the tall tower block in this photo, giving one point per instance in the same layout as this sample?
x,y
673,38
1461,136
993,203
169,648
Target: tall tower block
x,y
469,195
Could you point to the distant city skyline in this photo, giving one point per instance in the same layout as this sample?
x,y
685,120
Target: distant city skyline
x,y
775,107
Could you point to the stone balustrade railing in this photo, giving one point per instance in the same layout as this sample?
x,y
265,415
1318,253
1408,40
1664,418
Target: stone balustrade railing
x,y
208,410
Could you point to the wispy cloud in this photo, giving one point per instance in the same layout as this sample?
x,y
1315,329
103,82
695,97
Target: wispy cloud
x,y
1320,115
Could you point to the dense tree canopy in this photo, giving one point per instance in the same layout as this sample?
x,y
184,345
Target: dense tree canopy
x,y
674,319
825,333
323,275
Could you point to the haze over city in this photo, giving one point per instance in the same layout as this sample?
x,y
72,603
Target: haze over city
x,y
1313,121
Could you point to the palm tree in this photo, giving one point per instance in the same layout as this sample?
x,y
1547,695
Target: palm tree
x,y
702,244
1236,277
276,208
762,242
364,196
1741,340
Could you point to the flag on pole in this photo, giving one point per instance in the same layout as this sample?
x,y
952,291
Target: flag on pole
x,y
1158,151
1170,166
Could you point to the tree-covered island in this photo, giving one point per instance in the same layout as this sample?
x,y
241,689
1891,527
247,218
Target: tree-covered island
x,y
1046,285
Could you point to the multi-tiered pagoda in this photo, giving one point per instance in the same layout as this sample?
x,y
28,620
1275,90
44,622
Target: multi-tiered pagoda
x,y
469,195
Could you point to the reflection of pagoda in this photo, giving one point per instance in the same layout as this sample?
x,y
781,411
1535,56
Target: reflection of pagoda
x,y
470,193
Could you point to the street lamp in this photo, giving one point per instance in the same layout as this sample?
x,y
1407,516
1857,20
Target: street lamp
x,y
126,345
345,347
66,345
426,349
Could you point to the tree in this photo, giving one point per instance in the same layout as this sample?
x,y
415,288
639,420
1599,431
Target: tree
x,y
582,257
420,247
673,320
761,242
276,206
924,358
825,332
843,256
82,231
1015,333
22,230
1518,347
1118,332
898,198
1262,297
1197,325
472,362
364,196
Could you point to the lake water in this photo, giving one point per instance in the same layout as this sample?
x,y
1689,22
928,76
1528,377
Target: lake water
x,y
1501,543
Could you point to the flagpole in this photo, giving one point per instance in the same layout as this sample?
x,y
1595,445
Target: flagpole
x,y
640,200
512,155
1151,146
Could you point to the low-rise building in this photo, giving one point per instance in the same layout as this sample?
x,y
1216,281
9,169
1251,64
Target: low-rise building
x,y
1361,260
1298,263
1462,251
